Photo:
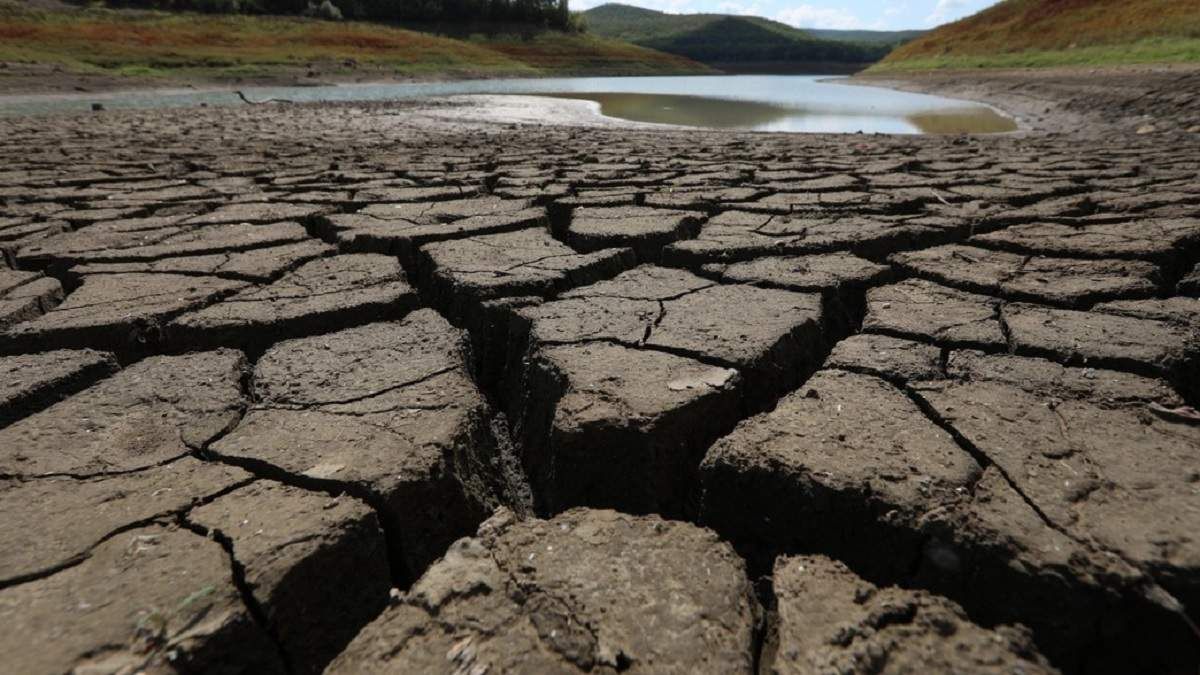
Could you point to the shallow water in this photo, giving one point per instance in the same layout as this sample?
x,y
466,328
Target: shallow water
x,y
804,103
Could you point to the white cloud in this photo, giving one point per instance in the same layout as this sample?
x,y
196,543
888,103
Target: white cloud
x,y
743,10
810,16
944,11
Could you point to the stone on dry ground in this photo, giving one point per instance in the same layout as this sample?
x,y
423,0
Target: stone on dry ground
x,y
1067,258
586,591
827,619
386,412
337,291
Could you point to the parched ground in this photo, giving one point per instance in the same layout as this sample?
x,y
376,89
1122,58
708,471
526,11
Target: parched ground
x,y
348,388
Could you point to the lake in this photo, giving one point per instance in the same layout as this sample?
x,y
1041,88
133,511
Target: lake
x,y
795,103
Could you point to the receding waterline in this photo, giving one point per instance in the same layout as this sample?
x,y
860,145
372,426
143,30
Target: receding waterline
x,y
721,113
796,103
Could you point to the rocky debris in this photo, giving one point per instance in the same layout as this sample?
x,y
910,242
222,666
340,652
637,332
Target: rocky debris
x,y
119,312
337,291
30,382
827,619
152,412
385,412
922,310
26,295
315,564
1055,281
643,229
586,591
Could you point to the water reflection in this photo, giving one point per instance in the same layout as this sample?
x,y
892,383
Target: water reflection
x,y
720,113
762,102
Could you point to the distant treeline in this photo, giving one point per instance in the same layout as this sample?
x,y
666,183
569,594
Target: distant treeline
x,y
736,39
550,13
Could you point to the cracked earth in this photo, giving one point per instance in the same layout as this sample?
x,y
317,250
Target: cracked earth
x,y
346,388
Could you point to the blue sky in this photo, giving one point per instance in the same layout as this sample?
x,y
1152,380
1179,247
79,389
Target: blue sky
x,y
868,14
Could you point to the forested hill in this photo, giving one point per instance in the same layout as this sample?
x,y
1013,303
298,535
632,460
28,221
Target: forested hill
x,y
1024,33
547,13
725,39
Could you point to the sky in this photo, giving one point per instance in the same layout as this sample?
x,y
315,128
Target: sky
x,y
844,14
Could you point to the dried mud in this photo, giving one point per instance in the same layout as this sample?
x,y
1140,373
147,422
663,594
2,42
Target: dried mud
x,y
377,388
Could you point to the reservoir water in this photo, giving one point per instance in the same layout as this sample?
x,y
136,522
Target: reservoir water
x,y
796,103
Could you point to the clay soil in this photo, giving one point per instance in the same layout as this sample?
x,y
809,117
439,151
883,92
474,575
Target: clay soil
x,y
392,388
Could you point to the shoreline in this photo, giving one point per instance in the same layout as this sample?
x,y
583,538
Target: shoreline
x,y
1135,99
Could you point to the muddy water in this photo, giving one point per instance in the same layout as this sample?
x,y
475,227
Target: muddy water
x,y
718,113
800,103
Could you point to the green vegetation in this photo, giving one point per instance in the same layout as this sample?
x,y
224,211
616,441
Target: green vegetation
x,y
546,13
727,39
1040,33
148,43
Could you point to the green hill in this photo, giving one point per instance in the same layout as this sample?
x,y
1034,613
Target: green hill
x,y
731,41
98,41
1029,33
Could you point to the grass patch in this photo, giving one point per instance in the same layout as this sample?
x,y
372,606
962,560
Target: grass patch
x,y
161,44
1044,33
1155,50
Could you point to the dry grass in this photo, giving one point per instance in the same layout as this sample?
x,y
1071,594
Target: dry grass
x,y
1059,32
149,43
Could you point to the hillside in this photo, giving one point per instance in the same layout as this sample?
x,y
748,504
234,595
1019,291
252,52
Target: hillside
x,y
201,47
1030,33
888,37
723,39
